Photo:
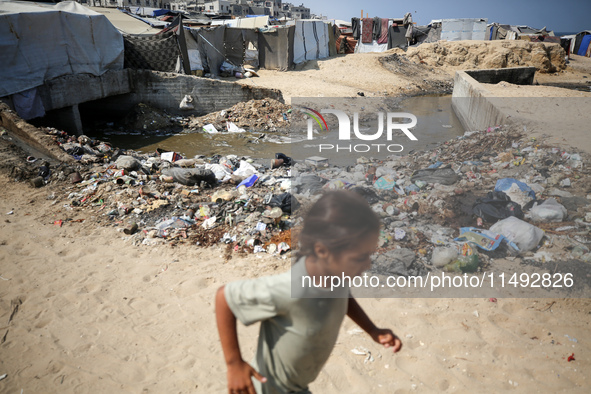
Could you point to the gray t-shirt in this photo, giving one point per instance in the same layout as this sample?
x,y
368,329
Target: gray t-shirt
x,y
297,334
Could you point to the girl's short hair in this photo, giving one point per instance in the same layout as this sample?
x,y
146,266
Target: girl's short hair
x,y
338,220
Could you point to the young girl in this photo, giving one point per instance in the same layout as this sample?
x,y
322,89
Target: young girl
x,y
300,325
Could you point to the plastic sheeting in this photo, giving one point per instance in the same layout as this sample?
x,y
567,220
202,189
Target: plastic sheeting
x,y
463,29
237,42
310,41
276,48
373,47
39,42
211,47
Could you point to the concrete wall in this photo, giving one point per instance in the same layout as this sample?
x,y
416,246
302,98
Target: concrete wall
x,y
474,105
166,90
71,90
514,75
31,135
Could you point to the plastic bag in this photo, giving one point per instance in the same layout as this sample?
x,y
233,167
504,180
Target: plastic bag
x,y
245,170
526,236
285,201
517,191
496,206
443,256
187,102
386,182
548,211
190,176
443,176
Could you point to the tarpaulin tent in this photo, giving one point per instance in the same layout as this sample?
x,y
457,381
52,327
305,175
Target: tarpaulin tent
x,y
578,41
311,40
39,42
463,29
584,45
241,46
276,48
211,46
148,11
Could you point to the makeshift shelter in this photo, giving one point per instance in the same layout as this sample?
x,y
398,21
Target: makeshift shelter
x,y
463,29
580,43
276,48
380,34
158,52
495,31
40,42
311,40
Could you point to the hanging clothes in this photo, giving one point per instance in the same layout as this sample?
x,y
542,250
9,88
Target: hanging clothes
x,y
377,28
356,28
383,38
367,30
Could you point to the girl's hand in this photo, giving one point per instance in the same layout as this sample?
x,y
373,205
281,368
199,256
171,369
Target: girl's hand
x,y
386,337
239,378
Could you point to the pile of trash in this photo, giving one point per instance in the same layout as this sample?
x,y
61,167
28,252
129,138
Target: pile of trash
x,y
267,115
482,196
162,197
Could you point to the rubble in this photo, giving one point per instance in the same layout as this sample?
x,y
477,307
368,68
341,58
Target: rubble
x,y
267,115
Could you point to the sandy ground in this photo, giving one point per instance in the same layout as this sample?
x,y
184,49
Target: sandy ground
x,y
82,310
348,75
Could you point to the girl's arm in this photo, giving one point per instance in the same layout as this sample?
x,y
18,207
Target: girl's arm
x,y
239,372
385,336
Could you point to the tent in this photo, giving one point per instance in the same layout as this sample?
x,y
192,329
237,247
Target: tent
x,y
39,42
463,29
311,40
496,31
580,43
276,48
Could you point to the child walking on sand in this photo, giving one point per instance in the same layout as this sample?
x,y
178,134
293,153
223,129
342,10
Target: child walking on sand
x,y
300,325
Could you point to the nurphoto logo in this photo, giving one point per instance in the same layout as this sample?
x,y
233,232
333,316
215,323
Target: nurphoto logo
x,y
344,130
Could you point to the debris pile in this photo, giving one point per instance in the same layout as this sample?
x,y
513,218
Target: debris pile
x,y
488,195
483,196
254,115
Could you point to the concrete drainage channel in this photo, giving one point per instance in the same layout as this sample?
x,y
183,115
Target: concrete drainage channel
x,y
472,103
115,94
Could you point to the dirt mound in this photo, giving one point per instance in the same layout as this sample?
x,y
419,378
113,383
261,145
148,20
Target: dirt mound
x,y
547,58
254,115
425,78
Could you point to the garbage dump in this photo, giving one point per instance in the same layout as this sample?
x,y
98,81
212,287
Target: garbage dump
x,y
487,195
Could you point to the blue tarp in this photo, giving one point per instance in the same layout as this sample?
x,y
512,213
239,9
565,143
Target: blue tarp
x,y
147,11
584,45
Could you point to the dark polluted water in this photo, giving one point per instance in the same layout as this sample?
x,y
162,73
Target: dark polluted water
x,y
436,123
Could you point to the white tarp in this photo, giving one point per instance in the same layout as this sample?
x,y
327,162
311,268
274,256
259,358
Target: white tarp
x,y
310,41
39,42
463,29
373,47
244,23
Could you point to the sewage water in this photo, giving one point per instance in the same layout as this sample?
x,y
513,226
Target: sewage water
x,y
436,123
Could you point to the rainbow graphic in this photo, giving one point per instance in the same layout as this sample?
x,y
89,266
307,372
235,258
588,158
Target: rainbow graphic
x,y
316,116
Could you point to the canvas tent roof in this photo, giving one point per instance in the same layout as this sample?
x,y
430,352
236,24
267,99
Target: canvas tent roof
x,y
40,42
126,23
